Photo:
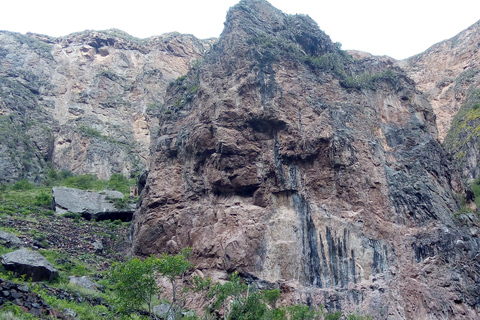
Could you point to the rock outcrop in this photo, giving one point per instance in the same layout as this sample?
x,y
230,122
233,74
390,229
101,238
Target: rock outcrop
x,y
81,102
92,205
9,240
31,264
84,282
22,296
449,75
283,158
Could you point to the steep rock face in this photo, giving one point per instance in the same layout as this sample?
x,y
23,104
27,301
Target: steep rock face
x,y
445,73
449,74
82,101
283,158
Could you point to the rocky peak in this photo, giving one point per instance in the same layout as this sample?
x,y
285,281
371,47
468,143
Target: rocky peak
x,y
445,73
449,75
283,158
259,20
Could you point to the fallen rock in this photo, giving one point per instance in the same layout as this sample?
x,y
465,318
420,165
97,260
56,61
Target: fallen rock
x,y
31,264
9,240
69,314
163,311
84,282
98,246
22,296
91,205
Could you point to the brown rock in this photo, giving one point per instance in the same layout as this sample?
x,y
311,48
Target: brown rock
x,y
278,168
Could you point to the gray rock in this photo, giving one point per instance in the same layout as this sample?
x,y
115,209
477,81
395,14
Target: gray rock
x,y
32,264
9,240
161,311
84,282
98,246
69,314
91,205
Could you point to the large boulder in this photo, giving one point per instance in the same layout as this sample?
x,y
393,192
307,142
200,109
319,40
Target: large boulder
x,y
29,263
91,205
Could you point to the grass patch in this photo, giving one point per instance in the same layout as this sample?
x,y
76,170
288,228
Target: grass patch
x,y
83,310
10,311
65,178
368,80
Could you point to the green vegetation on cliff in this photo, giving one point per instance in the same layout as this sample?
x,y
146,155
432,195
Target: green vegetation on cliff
x,y
464,133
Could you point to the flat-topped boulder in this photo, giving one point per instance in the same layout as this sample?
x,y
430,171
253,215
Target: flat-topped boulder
x,y
32,264
92,205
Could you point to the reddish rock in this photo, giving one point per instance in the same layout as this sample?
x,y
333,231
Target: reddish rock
x,y
270,161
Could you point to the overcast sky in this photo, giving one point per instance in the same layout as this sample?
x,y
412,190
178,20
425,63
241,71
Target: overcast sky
x,y
396,28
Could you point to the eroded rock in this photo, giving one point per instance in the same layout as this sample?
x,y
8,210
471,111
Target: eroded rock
x,y
91,205
9,240
29,263
84,282
83,101
284,169
22,296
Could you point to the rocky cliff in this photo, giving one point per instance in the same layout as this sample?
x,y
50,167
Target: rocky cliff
x,y
282,157
449,75
81,102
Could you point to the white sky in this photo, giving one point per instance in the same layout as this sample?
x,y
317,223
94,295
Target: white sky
x,y
396,28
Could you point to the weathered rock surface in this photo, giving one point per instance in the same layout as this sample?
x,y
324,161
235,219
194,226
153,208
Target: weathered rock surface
x,y
449,75
284,159
91,205
9,240
445,72
29,263
22,296
162,311
84,282
82,101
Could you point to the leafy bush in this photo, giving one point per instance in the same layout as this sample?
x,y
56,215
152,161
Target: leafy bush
x,y
354,316
44,200
22,185
84,182
10,311
135,283
72,215
368,80
120,183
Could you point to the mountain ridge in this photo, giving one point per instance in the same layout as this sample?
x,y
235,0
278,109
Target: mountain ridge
x,y
271,152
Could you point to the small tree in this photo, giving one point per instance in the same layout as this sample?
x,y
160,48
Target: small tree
x,y
135,283
174,269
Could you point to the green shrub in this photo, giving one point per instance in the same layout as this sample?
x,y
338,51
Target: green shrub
x,y
85,182
10,311
333,316
121,203
120,183
368,80
44,200
72,215
135,284
22,185
354,316
303,312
